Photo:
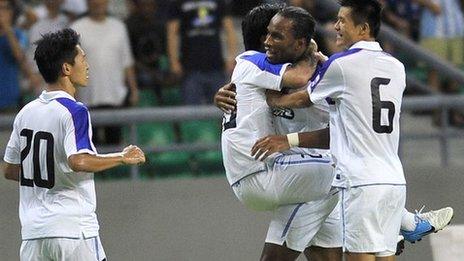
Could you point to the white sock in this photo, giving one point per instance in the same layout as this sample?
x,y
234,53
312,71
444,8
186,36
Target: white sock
x,y
408,221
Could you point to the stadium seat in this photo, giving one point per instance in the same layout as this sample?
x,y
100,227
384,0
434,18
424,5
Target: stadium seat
x,y
203,132
172,96
147,98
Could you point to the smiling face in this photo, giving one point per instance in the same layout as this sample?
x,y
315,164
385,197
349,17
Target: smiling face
x,y
281,45
348,32
79,72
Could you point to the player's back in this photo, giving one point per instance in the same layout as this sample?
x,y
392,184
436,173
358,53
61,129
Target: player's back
x,y
54,200
365,125
253,119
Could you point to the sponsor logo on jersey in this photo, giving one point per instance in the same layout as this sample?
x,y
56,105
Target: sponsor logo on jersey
x,y
286,113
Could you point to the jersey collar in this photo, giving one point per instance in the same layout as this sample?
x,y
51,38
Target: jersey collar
x,y
46,96
368,45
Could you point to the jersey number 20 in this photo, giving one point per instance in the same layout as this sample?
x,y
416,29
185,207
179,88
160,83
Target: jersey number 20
x,y
34,141
378,105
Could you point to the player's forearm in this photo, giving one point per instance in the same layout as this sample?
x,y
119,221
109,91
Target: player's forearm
x,y
297,75
94,163
12,171
299,99
315,139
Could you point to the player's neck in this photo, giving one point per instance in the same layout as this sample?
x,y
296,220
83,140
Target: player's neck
x,y
62,85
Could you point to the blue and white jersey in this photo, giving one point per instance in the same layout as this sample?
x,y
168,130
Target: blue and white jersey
x,y
55,201
364,87
253,119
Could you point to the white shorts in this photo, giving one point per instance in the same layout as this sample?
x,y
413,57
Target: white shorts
x,y
371,217
305,224
289,179
62,249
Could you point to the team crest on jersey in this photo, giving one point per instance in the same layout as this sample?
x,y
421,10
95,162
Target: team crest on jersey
x,y
286,113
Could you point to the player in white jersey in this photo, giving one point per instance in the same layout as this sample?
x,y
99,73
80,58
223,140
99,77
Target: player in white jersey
x,y
364,87
253,75
293,226
51,154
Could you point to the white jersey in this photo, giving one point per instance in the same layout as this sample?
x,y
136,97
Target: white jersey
x,y
55,201
364,87
253,119
314,118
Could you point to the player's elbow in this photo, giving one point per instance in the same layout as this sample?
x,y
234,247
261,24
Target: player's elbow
x,y
77,163
12,172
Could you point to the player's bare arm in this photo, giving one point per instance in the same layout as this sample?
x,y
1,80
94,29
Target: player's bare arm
x,y
224,98
279,143
299,99
12,171
131,155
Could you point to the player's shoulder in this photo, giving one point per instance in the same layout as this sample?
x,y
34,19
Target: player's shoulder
x,y
248,54
72,107
259,61
28,108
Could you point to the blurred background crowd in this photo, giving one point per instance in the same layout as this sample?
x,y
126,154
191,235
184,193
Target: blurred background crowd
x,y
152,53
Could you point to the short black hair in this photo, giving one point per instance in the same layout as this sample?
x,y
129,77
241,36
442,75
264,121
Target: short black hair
x,y
54,49
254,25
303,23
365,11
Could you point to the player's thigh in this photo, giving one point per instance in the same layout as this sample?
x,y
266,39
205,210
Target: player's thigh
x,y
66,249
32,250
274,252
300,178
315,253
359,257
330,235
371,217
255,192
296,225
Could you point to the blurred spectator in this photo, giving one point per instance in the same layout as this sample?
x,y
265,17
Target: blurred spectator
x,y
106,43
404,16
53,21
147,35
198,24
442,32
12,58
71,8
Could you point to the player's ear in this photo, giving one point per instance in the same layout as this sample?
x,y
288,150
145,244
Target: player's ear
x,y
66,69
364,29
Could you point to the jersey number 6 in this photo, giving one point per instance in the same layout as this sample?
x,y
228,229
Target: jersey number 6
x,y
378,105
35,141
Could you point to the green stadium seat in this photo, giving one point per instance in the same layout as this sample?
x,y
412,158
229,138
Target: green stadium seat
x,y
203,131
172,96
166,163
147,98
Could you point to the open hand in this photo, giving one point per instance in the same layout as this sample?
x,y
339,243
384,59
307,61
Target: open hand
x,y
269,145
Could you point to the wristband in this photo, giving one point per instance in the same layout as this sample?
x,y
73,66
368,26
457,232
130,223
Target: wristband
x,y
293,139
